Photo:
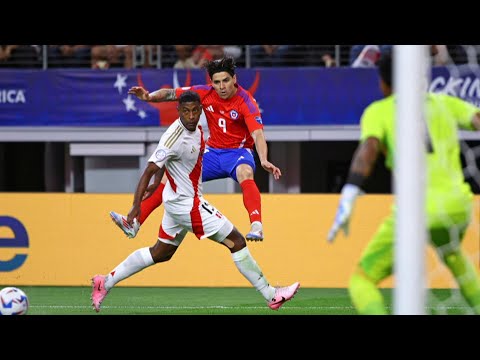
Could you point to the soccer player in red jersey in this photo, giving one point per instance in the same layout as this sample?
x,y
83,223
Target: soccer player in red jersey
x,y
179,154
235,125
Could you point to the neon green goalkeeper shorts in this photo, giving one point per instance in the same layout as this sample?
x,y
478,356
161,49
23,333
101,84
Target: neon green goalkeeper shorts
x,y
377,258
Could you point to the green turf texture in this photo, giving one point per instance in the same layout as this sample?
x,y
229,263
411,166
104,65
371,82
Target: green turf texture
x,y
210,301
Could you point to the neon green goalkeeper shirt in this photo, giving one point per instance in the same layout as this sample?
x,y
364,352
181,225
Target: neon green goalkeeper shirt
x,y
447,190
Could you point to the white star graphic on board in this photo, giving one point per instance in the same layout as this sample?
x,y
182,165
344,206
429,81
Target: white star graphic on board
x,y
121,82
142,114
129,103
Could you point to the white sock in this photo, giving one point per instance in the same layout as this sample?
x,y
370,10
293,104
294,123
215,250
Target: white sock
x,y
247,265
135,262
256,226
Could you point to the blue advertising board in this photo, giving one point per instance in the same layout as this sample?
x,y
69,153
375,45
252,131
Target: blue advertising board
x,y
286,96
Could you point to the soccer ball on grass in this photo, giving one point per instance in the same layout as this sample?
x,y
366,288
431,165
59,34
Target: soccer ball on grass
x,y
13,301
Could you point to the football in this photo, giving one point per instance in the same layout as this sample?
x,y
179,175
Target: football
x,y
13,301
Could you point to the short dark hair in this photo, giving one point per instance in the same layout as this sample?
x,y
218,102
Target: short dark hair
x,y
188,96
385,68
226,64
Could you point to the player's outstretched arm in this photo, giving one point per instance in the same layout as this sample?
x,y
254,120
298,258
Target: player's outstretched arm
x,y
156,96
142,185
160,177
139,92
476,121
262,151
344,211
361,167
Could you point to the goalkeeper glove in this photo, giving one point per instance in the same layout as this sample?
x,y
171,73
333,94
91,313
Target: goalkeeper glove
x,y
344,211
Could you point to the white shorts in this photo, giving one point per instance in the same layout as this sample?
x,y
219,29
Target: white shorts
x,y
205,222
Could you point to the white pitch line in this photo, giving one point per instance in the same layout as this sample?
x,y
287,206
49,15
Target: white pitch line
x,y
223,307
186,307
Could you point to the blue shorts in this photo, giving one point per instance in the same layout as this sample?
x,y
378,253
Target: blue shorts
x,y
222,163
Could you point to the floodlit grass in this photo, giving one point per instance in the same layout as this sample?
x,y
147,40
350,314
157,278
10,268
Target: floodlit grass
x,y
210,301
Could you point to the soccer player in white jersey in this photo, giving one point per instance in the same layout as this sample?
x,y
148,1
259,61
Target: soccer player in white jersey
x,y
179,154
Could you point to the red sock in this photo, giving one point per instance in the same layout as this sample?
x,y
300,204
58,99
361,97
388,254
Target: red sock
x,y
151,203
252,200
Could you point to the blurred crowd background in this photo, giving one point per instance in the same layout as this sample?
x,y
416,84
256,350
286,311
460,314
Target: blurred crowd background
x,y
194,56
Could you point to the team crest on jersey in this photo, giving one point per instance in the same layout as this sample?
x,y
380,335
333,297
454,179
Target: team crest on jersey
x,y
160,154
233,115
259,119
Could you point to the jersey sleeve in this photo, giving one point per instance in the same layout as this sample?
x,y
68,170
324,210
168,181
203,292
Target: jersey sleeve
x,y
251,113
371,124
163,152
462,110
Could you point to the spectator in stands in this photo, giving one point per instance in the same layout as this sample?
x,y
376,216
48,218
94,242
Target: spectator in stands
x,y
269,55
328,60
105,56
185,59
234,51
367,55
450,54
168,56
458,53
311,55
19,56
146,56
205,53
69,55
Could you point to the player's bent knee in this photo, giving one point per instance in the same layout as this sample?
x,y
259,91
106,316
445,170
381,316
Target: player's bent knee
x,y
159,257
229,243
359,271
162,252
244,172
235,240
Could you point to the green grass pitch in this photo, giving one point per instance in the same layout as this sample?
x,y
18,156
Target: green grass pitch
x,y
58,300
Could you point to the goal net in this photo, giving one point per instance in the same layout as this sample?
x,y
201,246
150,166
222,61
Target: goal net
x,y
454,71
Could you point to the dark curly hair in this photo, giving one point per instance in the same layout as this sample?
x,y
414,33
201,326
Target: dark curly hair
x,y
226,64
189,96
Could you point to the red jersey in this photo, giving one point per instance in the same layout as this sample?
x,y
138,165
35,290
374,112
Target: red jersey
x,y
230,121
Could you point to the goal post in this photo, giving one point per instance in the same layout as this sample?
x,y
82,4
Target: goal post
x,y
410,67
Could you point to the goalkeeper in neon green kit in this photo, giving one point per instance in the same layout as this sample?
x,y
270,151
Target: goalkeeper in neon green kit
x,y
449,197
